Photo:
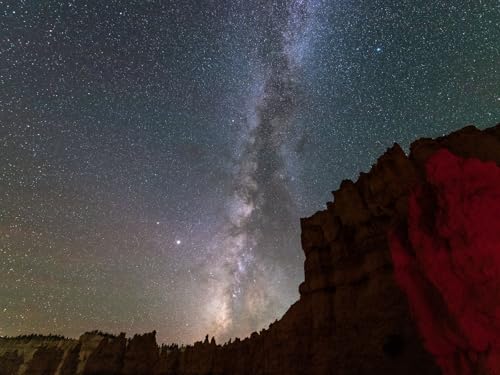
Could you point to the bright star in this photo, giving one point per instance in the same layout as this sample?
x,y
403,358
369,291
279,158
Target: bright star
x,y
178,242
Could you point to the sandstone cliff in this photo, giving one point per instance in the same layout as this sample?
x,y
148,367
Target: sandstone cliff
x,y
351,318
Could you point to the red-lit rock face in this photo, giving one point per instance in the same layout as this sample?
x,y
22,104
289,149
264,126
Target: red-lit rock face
x,y
448,262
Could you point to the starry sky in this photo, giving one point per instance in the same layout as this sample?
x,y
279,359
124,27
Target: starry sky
x,y
156,156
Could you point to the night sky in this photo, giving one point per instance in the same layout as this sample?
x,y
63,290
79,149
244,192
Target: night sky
x,y
156,156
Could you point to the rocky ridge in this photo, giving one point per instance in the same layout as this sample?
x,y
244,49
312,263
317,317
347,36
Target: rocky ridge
x,y
351,318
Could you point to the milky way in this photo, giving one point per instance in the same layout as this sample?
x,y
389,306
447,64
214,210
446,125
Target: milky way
x,y
156,156
262,216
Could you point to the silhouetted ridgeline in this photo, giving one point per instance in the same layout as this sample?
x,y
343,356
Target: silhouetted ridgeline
x,y
351,318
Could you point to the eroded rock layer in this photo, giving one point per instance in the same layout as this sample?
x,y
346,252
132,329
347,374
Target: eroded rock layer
x,y
351,318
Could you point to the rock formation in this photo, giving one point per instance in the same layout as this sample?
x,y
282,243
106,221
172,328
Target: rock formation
x,y
447,259
352,316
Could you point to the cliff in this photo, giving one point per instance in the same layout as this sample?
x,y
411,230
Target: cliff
x,y
353,315
447,260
